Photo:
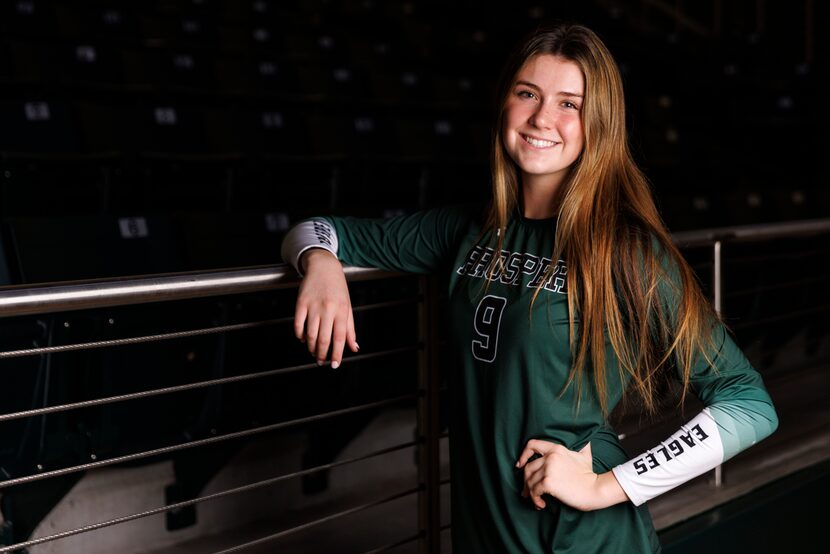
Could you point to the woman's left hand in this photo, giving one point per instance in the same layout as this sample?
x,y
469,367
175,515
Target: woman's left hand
x,y
567,475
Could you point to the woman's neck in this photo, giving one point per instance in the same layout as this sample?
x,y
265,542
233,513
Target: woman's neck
x,y
539,201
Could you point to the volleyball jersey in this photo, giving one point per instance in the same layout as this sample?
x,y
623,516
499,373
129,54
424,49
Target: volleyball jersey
x,y
509,365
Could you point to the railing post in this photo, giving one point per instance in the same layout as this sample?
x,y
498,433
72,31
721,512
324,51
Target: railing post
x,y
429,502
717,279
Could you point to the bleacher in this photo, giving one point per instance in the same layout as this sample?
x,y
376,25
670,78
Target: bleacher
x,y
164,136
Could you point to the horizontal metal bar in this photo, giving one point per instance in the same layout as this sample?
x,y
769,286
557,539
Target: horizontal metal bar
x,y
749,233
214,496
198,385
183,334
99,293
203,442
325,519
67,296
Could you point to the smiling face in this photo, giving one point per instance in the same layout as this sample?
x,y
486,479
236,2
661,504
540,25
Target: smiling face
x,y
541,124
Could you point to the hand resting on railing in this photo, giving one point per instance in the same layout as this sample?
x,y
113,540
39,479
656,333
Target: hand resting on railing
x,y
323,318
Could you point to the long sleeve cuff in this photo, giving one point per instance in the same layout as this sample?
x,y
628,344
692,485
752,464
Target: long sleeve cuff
x,y
313,233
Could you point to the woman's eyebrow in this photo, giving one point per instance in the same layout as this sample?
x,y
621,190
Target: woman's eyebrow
x,y
560,93
528,84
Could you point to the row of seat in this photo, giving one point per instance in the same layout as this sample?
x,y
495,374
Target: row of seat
x,y
123,71
290,192
38,188
173,126
40,249
370,59
323,34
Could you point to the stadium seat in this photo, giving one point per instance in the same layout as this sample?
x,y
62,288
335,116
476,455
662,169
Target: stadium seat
x,y
36,124
86,61
275,128
27,18
72,248
39,187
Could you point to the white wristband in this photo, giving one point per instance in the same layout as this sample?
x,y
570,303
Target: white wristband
x,y
313,233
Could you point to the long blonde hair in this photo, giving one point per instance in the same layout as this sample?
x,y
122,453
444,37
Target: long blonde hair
x,y
618,251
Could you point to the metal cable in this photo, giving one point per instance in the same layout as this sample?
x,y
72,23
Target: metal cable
x,y
197,385
325,519
191,502
141,339
183,334
202,442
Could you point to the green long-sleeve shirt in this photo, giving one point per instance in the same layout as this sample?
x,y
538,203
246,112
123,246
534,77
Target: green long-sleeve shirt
x,y
509,365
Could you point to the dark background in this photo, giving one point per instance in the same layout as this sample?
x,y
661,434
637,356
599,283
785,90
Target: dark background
x,y
169,135
219,123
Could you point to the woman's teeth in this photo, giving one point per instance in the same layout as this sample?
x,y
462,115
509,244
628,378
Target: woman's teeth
x,y
539,143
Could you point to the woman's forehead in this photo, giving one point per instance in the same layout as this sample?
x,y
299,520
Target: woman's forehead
x,y
547,71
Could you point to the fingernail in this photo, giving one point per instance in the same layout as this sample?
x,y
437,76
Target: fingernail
x,y
357,346
320,362
335,365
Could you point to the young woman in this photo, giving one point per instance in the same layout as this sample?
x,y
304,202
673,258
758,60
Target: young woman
x,y
568,293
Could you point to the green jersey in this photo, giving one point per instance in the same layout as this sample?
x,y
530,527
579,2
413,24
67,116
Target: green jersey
x,y
510,364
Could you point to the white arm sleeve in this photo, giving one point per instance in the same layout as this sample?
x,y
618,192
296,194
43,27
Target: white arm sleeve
x,y
694,449
715,435
313,233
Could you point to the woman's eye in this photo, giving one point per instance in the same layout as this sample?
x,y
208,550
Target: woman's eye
x,y
570,105
526,94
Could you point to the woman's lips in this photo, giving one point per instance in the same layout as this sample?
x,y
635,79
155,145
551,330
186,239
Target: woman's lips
x,y
538,143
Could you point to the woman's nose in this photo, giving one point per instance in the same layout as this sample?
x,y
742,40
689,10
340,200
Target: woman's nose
x,y
543,117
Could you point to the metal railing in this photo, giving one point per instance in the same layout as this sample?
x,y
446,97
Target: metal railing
x,y
716,238
61,297
51,298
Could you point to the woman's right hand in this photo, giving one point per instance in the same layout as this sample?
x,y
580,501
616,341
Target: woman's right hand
x,y
323,318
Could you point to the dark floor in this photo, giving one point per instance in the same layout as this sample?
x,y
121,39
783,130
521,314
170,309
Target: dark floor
x,y
787,515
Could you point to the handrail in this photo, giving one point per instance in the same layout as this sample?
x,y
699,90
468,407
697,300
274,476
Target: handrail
x,y
750,233
100,293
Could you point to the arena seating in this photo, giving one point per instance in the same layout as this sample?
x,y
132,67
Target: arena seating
x,y
173,135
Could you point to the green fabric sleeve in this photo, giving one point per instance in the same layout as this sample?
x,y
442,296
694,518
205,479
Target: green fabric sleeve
x,y
729,386
416,243
735,394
